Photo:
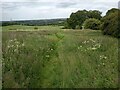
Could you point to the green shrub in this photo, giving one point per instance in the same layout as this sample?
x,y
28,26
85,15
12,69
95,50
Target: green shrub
x,y
66,26
92,23
35,27
110,24
77,27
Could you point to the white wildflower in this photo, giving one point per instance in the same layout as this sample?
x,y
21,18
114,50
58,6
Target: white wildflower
x,y
17,45
80,46
17,42
23,44
92,40
51,49
103,57
87,41
11,40
93,48
47,56
15,50
98,45
98,65
100,57
103,63
8,46
84,42
47,51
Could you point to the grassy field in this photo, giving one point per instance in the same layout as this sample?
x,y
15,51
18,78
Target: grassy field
x,y
50,57
30,28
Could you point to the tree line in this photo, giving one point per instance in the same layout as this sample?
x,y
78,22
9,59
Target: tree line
x,y
35,22
92,19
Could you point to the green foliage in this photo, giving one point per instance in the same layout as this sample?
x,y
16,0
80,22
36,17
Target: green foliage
x,y
59,35
72,21
80,16
94,14
110,23
35,27
65,25
92,23
113,10
77,27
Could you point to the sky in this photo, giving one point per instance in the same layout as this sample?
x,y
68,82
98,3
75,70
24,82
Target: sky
x,y
50,9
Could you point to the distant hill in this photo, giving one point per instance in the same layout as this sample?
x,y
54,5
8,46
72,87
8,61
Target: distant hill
x,y
34,22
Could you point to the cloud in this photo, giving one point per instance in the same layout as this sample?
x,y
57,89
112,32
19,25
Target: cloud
x,y
15,5
44,9
65,4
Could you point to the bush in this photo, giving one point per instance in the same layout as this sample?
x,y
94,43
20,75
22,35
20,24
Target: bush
x,y
110,24
92,23
35,27
77,27
66,26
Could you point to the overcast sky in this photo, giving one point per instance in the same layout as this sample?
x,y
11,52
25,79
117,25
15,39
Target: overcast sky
x,y
49,9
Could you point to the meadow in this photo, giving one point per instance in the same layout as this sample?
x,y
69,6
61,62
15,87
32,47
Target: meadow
x,y
51,57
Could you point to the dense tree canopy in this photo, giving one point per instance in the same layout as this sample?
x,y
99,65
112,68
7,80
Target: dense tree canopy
x,y
92,19
111,23
113,10
80,16
92,23
94,14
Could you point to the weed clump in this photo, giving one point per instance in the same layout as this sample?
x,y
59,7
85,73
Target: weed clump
x,y
35,27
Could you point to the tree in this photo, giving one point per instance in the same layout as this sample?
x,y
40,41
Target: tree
x,y
77,18
95,14
92,23
113,10
110,23
72,21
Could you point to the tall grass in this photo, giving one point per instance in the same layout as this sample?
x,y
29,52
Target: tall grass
x,y
59,59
